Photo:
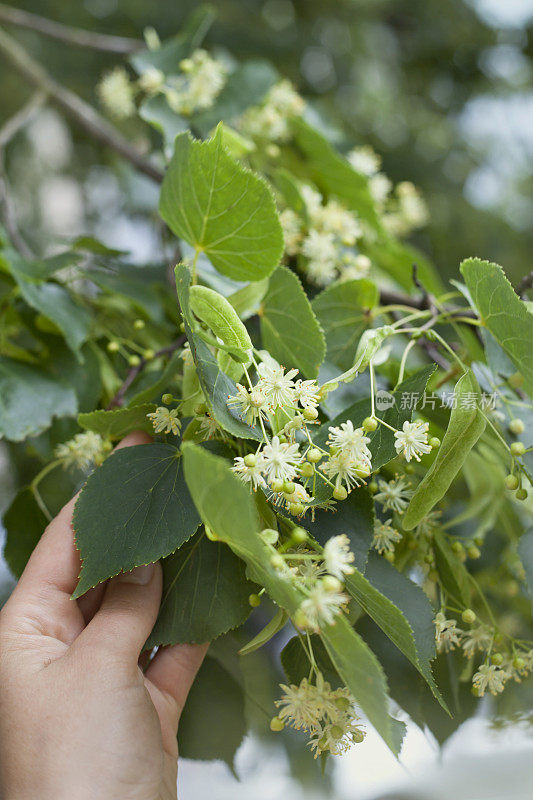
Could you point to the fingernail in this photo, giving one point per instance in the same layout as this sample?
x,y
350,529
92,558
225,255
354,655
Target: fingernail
x,y
140,575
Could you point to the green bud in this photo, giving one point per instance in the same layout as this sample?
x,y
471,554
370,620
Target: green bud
x,y
409,469
276,485
370,424
299,535
511,482
430,336
521,494
182,328
113,347
343,703
269,536
497,659
389,556
167,399
148,354
468,616
314,455
310,414
307,470
134,361
289,487
458,548
297,509
519,663
518,449
473,552
373,487
277,562
282,438
254,600
250,459
331,584
434,442
516,380
358,737
200,408
139,324
340,493
299,619
336,731
516,426
276,724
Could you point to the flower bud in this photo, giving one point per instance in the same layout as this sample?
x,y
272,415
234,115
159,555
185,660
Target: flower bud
x,y
113,347
300,619
518,449
314,455
297,509
519,663
250,459
362,471
497,659
289,487
269,536
521,494
167,399
331,584
299,535
358,736
340,493
473,552
310,414
277,562
511,482
139,324
468,616
134,361
254,600
307,470
370,424
434,442
389,555
276,485
373,487
516,426
276,724
409,469
148,354
516,380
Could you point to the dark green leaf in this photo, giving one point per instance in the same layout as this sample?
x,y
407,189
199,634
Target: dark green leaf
x,y
342,311
24,522
289,329
295,661
29,399
133,510
205,593
451,569
276,624
221,208
117,423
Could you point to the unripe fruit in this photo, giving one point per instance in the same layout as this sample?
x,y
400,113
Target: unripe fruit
x,y
134,361
331,584
518,449
276,485
299,535
512,482
297,509
497,659
276,724
250,459
468,616
473,552
521,494
289,487
139,324
340,493
516,426
112,347
307,470
314,455
310,414
254,600
167,399
434,442
370,424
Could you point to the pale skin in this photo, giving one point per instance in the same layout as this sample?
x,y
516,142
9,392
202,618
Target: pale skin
x,y
79,719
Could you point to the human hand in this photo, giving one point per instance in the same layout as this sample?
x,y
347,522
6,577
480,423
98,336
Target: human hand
x,y
78,717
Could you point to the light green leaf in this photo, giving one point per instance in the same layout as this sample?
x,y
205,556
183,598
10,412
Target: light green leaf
x,y
397,260
117,423
278,621
464,429
289,329
503,313
29,399
133,510
205,593
155,383
216,385
246,301
221,208
342,311
333,174
451,569
225,504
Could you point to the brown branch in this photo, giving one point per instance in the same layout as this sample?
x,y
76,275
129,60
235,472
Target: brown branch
x,y
118,399
76,108
65,33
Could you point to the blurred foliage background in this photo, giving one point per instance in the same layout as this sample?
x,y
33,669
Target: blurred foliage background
x,y
440,88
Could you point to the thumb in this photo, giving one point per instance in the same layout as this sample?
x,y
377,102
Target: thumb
x,y
127,613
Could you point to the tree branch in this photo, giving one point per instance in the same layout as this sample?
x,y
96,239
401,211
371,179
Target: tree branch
x,y
64,33
76,108
118,399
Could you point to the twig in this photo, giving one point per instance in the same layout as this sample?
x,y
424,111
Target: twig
x,y
65,33
75,107
19,120
118,399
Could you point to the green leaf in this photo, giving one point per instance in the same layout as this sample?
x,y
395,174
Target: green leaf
x,y
289,329
402,611
333,174
353,517
221,208
464,429
276,624
117,423
56,304
382,440
451,569
24,522
212,725
503,313
342,311
397,260
246,301
29,399
525,551
133,510
217,386
205,593
225,505
156,112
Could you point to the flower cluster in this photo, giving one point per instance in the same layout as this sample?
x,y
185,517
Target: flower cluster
x,y
327,715
200,83
84,450
117,93
165,420
271,120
